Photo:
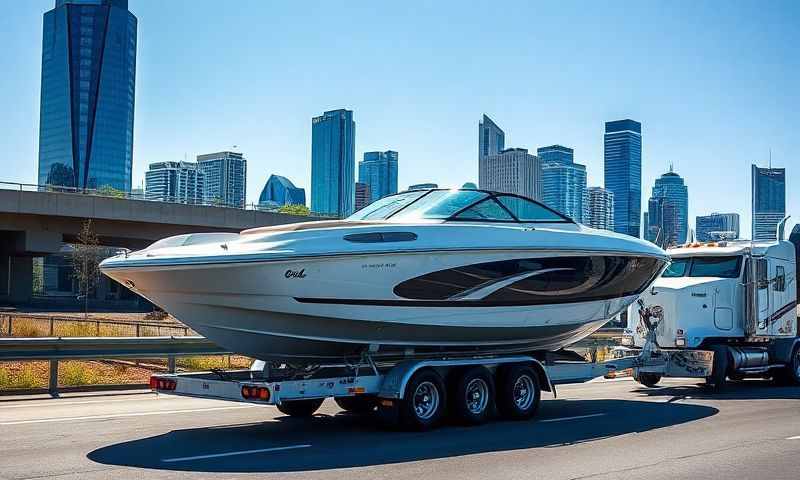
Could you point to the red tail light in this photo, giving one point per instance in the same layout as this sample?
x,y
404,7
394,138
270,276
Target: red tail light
x,y
255,393
162,384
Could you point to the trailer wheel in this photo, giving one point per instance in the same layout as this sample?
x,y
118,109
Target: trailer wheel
x,y
358,404
647,379
472,397
300,408
719,369
423,403
518,392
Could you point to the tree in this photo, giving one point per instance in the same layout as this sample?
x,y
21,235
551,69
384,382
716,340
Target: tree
x,y
295,210
109,191
86,258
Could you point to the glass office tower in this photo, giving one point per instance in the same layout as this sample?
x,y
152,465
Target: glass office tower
x,y
379,171
672,228
280,191
87,96
563,181
491,139
555,153
717,226
768,201
623,173
333,163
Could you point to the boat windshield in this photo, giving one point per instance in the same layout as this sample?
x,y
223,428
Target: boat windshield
x,y
458,205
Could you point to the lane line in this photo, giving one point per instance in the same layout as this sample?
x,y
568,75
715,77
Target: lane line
x,y
57,401
794,438
576,417
121,415
231,454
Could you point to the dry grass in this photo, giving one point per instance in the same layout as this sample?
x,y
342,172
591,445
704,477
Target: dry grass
x,y
25,375
22,376
40,327
201,364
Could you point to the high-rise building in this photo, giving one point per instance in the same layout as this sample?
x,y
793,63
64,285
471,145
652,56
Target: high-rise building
x,y
279,191
717,226
180,182
87,96
333,163
491,139
555,153
623,173
768,201
513,170
422,186
598,208
379,171
363,195
225,177
563,181
668,221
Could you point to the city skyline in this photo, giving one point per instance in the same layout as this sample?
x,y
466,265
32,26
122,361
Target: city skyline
x,y
703,129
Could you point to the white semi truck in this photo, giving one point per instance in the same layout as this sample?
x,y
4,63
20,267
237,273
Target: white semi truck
x,y
735,301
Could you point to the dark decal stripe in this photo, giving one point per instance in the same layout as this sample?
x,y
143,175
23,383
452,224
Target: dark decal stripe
x,y
781,312
453,303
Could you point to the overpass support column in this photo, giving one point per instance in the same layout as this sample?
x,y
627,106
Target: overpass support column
x,y
21,276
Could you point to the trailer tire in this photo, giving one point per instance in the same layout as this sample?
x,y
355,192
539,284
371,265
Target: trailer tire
x,y
719,369
472,395
648,379
300,408
518,392
424,400
359,404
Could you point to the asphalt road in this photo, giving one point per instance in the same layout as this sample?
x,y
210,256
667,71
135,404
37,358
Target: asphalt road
x,y
604,430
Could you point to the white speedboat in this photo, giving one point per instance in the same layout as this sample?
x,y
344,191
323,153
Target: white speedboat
x,y
454,270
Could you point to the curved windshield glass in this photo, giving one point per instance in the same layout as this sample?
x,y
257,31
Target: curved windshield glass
x,y
487,209
385,207
440,204
677,268
529,211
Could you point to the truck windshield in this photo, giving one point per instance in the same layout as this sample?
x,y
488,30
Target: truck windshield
x,y
719,267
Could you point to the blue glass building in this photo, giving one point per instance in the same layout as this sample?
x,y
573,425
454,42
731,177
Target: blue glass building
x,y
279,191
491,139
556,153
333,163
563,181
668,220
379,171
87,96
717,226
768,201
225,178
623,173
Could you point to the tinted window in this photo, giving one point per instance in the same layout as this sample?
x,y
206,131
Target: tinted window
x,y
486,210
529,211
439,204
721,267
384,207
677,268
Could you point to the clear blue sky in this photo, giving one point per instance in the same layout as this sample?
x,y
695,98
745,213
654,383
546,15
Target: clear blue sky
x,y
715,85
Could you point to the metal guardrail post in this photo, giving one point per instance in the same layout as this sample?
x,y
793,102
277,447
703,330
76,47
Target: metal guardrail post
x,y
52,327
9,324
171,364
53,384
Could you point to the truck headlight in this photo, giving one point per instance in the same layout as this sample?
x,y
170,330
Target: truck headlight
x,y
627,340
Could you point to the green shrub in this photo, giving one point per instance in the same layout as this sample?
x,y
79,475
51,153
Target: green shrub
x,y
77,373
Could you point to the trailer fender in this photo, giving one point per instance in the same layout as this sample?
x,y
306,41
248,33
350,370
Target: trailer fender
x,y
780,349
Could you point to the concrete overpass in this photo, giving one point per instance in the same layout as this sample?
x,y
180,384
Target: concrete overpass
x,y
34,223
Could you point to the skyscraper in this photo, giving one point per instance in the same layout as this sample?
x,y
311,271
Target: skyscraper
x,y
598,210
623,173
333,163
422,186
225,177
379,171
180,182
717,226
768,201
491,140
513,170
563,181
279,191
363,195
87,96
668,220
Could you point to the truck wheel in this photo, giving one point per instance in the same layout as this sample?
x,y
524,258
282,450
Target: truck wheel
x,y
472,397
647,379
358,404
790,374
518,392
423,403
300,408
719,369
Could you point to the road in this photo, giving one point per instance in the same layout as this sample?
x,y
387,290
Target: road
x,y
599,430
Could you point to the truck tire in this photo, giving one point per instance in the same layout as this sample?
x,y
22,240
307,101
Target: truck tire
x,y
790,374
518,392
472,397
647,379
300,408
359,404
424,400
719,370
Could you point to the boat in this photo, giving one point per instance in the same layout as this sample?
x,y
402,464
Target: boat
x,y
459,270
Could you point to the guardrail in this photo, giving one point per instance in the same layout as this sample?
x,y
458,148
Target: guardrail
x,y
50,322
74,348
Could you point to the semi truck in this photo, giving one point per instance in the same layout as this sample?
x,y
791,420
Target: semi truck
x,y
733,303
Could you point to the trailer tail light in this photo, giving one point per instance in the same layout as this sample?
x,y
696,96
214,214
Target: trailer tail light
x,y
356,390
162,384
252,392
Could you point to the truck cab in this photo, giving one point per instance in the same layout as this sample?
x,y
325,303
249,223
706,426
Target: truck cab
x,y
737,299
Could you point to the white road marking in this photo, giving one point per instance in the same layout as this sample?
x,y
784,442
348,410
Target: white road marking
x,y
230,454
57,401
121,415
572,418
794,438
